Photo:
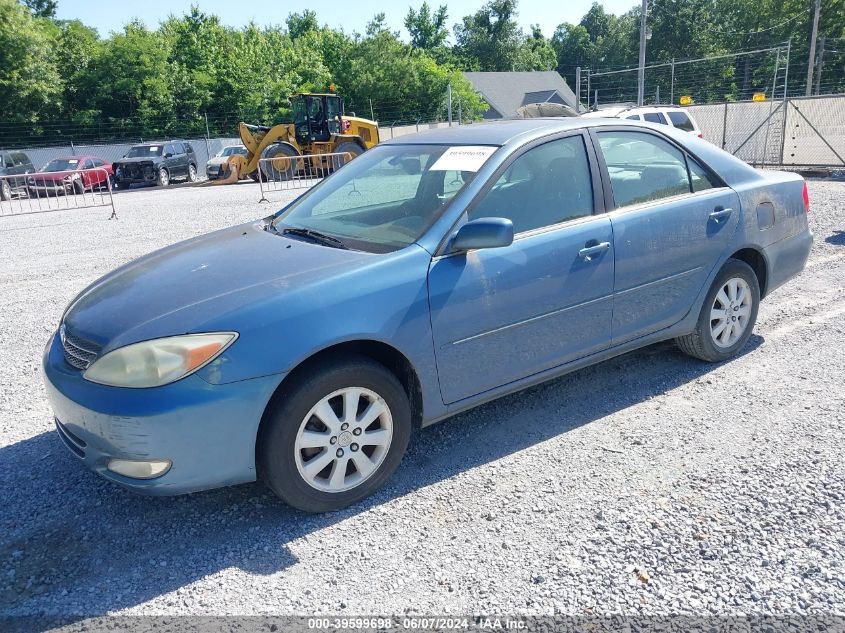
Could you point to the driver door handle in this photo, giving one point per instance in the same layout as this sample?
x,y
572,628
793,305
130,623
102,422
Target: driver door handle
x,y
592,248
720,213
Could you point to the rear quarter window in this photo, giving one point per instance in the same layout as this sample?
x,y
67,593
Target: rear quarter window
x,y
681,121
655,117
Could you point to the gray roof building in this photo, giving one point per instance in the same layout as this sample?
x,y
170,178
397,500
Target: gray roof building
x,y
508,91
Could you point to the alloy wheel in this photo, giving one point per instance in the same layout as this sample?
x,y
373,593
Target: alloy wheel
x,y
730,312
343,439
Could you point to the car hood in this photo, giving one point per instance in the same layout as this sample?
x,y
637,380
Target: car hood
x,y
47,176
180,288
217,160
135,161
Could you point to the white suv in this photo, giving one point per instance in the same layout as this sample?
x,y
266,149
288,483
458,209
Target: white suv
x,y
665,115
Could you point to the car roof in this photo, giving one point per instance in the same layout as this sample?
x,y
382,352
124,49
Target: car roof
x,y
498,133
75,157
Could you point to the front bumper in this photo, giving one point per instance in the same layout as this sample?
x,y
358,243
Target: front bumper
x,y
207,431
135,173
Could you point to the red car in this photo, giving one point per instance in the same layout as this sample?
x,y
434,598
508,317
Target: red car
x,y
70,174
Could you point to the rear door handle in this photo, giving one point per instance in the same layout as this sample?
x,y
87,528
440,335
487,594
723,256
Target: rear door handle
x,y
591,248
721,213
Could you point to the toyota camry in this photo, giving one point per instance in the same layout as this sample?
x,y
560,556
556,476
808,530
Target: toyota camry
x,y
431,274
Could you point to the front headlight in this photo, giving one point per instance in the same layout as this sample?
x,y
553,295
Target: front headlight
x,y
158,362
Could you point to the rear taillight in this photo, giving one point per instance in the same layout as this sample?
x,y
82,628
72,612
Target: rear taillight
x,y
806,196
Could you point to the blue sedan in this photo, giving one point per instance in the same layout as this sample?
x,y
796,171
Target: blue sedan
x,y
431,274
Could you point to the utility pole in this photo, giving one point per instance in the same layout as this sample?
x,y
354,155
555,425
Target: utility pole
x,y
819,66
449,101
641,69
578,89
812,57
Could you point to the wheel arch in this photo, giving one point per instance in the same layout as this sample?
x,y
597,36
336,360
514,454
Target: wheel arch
x,y
387,355
755,258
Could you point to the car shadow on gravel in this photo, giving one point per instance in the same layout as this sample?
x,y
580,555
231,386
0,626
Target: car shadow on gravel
x,y
838,238
75,545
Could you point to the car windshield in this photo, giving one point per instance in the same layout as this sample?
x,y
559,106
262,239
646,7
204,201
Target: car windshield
x,y
234,149
144,150
388,197
61,164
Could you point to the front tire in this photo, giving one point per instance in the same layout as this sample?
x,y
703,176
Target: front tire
x,y
163,178
334,435
727,316
5,190
285,167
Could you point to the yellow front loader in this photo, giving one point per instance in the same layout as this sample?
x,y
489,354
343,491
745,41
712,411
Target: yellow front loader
x,y
320,127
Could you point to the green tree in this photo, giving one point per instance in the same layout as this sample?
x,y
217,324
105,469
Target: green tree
x,y
427,28
42,8
489,39
301,23
77,48
536,52
30,84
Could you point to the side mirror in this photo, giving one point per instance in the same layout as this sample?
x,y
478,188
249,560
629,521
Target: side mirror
x,y
483,233
168,155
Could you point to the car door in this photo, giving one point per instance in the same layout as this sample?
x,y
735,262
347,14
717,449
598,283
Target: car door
x,y
673,220
171,160
88,177
502,314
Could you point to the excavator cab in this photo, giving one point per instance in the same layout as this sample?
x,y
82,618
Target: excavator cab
x,y
316,117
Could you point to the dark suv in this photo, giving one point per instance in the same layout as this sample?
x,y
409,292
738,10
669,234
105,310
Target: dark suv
x,y
13,163
157,163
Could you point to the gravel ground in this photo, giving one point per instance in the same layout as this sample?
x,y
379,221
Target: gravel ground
x,y
648,484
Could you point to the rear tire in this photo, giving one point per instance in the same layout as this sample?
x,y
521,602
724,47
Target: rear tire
x,y
192,173
727,316
119,184
284,169
309,423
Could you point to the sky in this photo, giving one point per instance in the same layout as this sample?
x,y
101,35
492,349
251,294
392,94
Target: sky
x,y
352,15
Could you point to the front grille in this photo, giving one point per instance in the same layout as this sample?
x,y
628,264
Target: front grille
x,y
79,353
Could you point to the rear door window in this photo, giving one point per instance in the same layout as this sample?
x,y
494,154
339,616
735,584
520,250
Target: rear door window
x,y
643,167
634,117
655,117
681,121
180,149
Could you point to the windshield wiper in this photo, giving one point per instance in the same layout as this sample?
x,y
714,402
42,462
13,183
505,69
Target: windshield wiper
x,y
322,238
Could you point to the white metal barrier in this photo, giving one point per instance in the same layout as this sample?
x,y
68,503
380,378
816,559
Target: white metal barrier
x,y
55,191
283,173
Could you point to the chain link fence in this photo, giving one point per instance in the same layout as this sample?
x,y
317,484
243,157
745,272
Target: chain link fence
x,y
806,132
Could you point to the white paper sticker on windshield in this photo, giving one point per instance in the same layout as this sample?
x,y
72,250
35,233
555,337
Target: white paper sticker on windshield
x,y
72,161
463,158
153,148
